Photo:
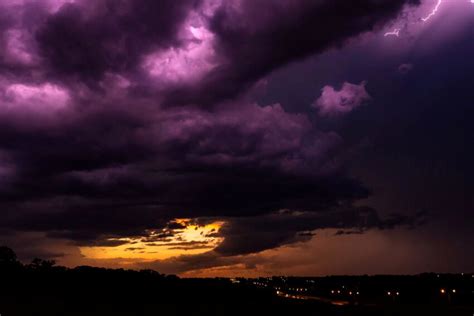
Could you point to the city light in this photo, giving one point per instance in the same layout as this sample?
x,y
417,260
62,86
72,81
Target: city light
x,y
344,294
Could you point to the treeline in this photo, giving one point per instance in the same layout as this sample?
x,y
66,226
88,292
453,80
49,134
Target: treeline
x,y
43,288
45,278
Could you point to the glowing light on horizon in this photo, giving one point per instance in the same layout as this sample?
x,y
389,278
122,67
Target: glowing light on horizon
x,y
192,239
435,10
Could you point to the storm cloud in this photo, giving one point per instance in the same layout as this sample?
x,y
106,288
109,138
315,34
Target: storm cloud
x,y
117,117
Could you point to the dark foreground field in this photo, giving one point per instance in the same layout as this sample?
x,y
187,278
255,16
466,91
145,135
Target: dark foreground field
x,y
47,305
41,288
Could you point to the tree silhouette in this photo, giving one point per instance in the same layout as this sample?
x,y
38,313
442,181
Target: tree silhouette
x,y
42,288
7,257
40,264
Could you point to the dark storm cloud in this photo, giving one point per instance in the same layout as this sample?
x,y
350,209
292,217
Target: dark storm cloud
x,y
87,166
286,227
184,263
256,37
93,37
88,40
239,160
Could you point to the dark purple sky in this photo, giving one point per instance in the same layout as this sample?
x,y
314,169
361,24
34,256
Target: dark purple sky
x,y
239,137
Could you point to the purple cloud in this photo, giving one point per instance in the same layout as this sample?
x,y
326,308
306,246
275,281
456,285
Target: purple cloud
x,y
334,102
117,117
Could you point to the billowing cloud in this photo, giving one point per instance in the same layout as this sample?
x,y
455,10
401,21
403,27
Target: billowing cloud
x,y
174,164
333,102
119,117
250,44
89,38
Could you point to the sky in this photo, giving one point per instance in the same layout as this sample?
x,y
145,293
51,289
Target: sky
x,y
239,138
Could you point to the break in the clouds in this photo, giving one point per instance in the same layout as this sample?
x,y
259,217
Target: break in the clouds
x,y
119,117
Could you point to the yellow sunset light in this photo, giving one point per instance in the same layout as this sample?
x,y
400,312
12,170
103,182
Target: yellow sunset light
x,y
192,239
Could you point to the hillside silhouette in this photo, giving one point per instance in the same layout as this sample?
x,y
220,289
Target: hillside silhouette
x,y
43,288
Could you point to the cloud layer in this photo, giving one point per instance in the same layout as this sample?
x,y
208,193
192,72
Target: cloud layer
x,y
117,117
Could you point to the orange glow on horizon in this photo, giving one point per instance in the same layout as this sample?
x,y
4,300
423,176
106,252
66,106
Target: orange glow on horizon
x,y
192,239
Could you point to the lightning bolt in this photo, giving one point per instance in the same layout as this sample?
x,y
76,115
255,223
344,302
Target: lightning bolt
x,y
429,16
395,32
